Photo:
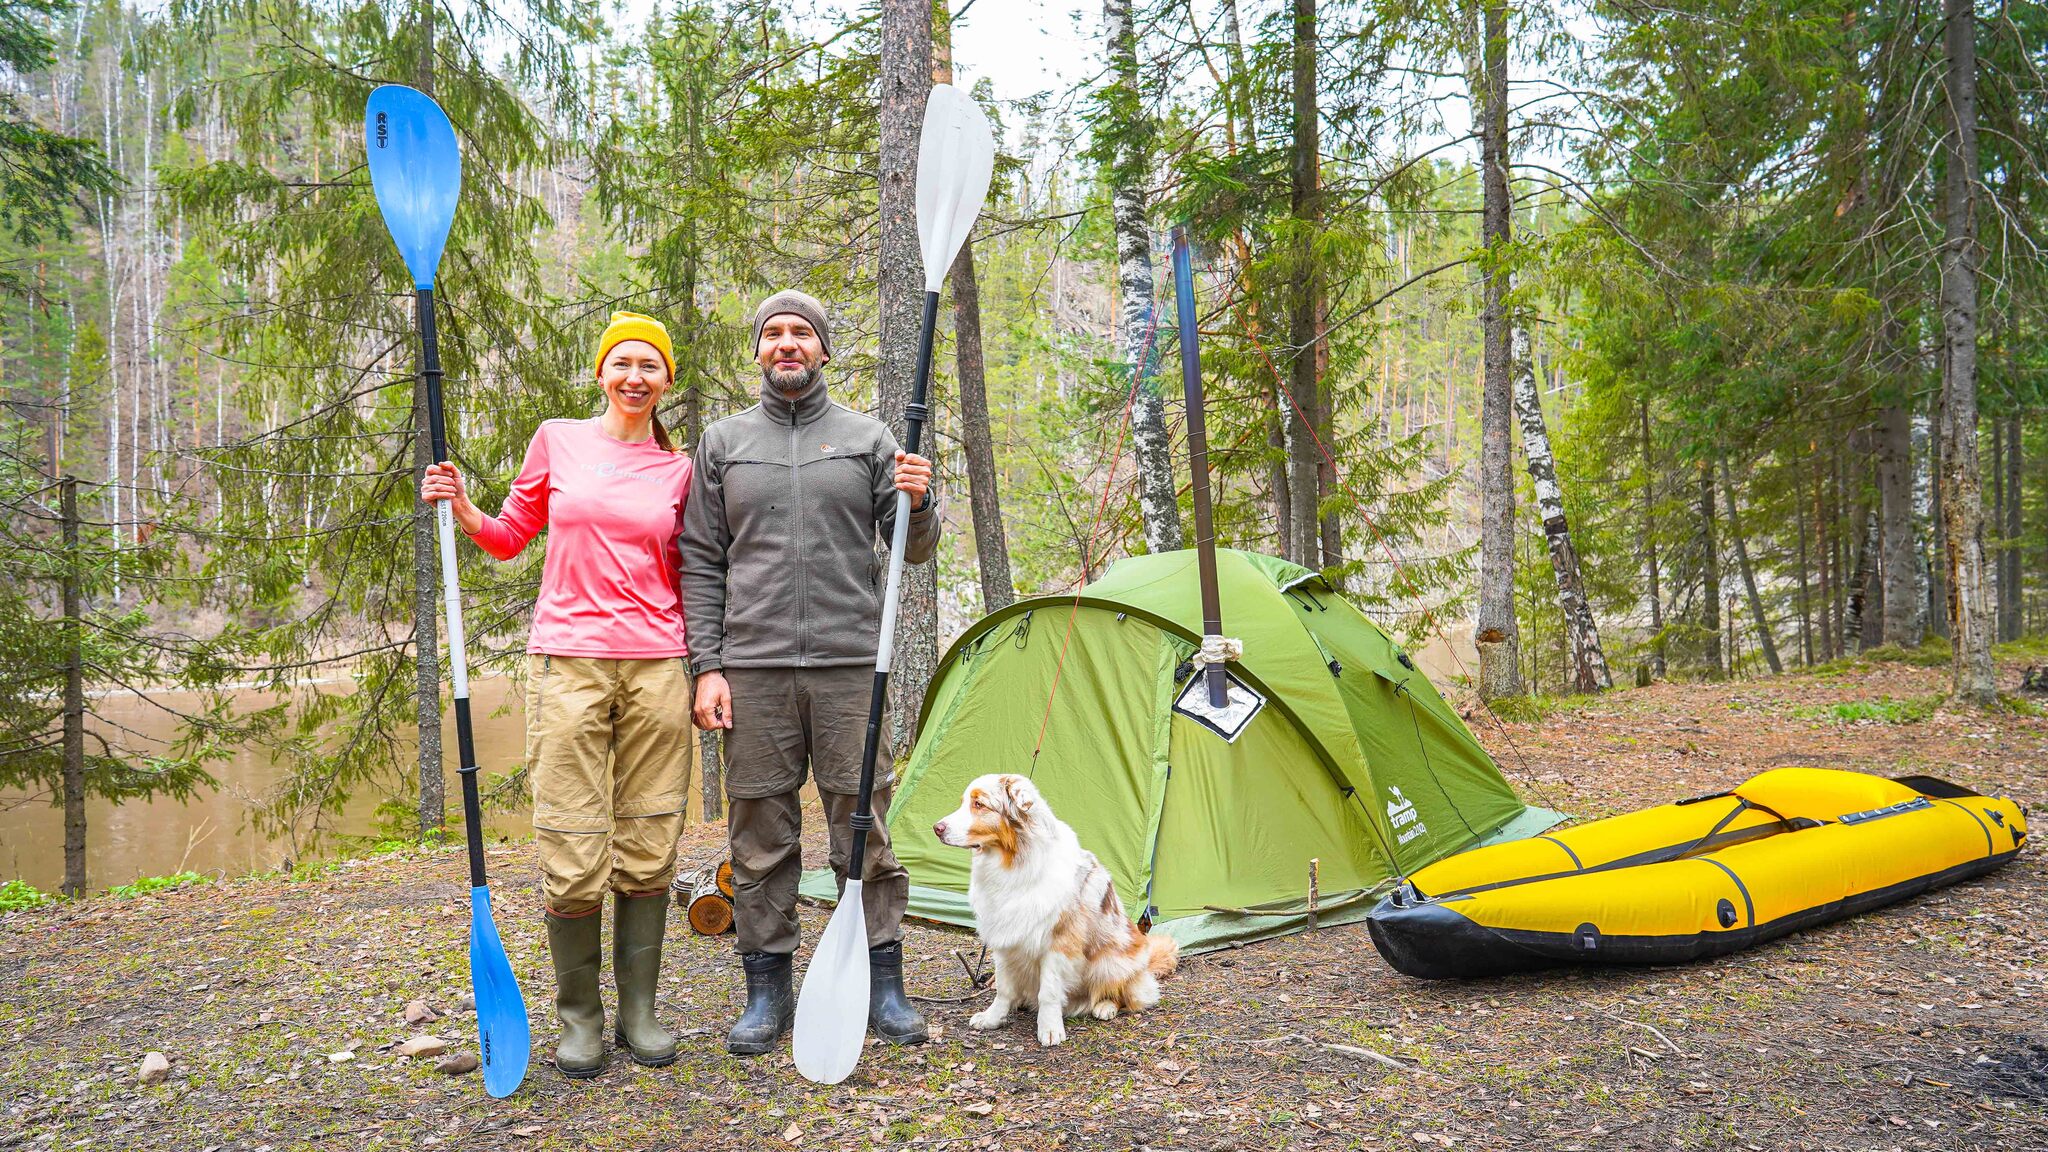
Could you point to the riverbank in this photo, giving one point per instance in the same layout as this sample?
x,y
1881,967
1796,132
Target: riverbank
x,y
1918,1026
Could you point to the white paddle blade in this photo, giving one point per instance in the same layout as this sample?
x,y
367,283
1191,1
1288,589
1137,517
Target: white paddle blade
x,y
956,154
832,1009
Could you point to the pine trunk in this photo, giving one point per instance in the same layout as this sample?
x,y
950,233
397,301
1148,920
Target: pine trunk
x,y
991,548
426,555
1710,573
906,81
1863,630
1824,541
2010,587
1805,609
977,440
1904,623
426,626
1969,606
1582,636
1158,505
1304,545
74,702
1496,634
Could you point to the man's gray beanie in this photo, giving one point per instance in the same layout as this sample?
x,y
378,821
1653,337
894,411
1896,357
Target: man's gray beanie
x,y
795,303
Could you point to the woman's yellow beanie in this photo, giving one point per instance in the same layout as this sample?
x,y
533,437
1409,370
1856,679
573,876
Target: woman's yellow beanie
x,y
634,326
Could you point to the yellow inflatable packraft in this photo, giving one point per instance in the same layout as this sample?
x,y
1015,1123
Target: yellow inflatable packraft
x,y
1784,850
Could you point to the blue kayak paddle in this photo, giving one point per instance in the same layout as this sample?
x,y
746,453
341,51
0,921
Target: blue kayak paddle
x,y
416,170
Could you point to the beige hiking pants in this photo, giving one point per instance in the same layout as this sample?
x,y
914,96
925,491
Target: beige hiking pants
x,y
608,754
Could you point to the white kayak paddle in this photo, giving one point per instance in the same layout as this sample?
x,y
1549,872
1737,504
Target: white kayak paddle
x,y
955,157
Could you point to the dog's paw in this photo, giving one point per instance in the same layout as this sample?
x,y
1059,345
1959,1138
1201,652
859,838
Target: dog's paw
x,y
1103,1010
1051,1032
988,1019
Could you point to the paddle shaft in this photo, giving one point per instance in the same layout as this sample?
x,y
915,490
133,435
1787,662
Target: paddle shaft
x,y
451,591
914,414
1198,458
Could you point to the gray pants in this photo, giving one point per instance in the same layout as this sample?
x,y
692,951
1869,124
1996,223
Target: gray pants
x,y
785,720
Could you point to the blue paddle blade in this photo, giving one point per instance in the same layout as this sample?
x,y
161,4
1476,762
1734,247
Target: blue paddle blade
x,y
504,1039
416,170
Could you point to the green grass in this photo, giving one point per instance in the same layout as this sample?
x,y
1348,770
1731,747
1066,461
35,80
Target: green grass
x,y
1932,653
149,884
16,895
1908,711
2032,648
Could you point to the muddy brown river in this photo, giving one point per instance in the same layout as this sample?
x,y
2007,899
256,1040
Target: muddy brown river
x,y
214,832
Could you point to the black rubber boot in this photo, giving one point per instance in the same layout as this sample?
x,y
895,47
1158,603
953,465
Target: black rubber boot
x,y
770,1005
575,946
637,926
890,1014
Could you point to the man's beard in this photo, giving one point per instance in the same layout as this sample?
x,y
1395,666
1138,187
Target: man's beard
x,y
795,383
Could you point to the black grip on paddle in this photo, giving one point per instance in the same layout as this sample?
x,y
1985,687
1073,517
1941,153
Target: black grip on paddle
x,y
472,807
915,412
863,806
430,371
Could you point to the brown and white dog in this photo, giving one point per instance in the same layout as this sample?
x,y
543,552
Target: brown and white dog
x,y
1049,912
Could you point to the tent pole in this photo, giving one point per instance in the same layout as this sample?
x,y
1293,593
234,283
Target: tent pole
x,y
1198,457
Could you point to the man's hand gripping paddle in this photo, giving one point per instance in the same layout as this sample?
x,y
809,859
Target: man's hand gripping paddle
x,y
955,157
416,170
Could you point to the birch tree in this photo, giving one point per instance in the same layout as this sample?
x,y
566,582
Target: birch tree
x,y
1124,135
1969,607
1588,662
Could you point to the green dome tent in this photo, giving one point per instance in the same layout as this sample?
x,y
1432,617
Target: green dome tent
x,y
1334,748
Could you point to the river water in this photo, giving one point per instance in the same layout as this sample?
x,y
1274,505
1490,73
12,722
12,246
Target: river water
x,y
213,833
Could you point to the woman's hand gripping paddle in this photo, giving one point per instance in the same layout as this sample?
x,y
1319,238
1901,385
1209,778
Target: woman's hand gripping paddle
x,y
416,170
955,157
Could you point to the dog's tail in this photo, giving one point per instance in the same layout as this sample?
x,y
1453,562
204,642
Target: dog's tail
x,y
1162,955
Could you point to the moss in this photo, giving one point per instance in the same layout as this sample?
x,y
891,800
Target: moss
x,y
1911,710
1934,652
2021,706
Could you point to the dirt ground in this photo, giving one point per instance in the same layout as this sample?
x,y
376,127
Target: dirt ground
x,y
1919,1026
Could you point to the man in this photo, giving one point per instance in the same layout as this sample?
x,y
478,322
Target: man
x,y
782,600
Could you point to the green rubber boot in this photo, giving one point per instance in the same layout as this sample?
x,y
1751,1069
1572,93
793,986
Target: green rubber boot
x,y
637,926
575,946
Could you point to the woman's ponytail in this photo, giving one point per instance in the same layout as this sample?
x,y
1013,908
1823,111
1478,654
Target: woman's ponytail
x,y
661,434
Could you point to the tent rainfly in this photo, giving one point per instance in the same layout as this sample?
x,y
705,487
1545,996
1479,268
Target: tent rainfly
x,y
1333,748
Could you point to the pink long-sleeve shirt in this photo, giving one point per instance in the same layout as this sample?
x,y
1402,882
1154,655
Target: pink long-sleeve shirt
x,y
611,585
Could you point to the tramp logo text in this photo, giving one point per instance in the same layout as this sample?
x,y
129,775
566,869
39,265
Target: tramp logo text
x,y
1402,815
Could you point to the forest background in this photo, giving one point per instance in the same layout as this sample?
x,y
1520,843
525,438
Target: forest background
x,y
1591,341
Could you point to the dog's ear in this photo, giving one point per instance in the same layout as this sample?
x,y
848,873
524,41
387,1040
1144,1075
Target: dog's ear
x,y
1021,795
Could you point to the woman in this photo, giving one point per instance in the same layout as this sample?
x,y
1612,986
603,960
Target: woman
x,y
608,688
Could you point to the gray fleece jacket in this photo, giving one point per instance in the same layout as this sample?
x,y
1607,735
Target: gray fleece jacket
x,y
780,568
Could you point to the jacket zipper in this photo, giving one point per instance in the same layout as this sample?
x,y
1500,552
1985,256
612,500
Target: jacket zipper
x,y
796,513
